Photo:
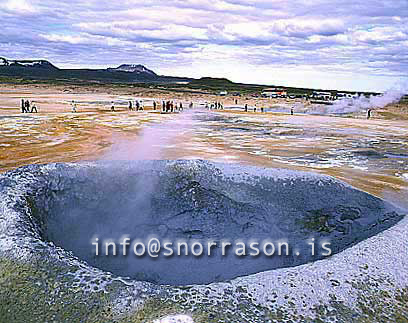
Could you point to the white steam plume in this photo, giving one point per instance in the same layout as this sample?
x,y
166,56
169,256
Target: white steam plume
x,y
361,103
151,140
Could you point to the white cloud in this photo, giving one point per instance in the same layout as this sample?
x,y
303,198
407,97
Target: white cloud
x,y
20,7
283,27
379,34
85,39
362,41
145,29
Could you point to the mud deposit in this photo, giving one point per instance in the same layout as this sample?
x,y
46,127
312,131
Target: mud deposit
x,y
50,214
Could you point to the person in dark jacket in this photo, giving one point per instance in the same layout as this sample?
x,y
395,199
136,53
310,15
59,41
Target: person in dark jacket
x,y
23,108
27,106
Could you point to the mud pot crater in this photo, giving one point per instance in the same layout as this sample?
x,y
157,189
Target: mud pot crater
x,y
65,206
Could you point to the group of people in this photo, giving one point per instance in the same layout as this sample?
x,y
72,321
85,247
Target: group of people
x,y
215,105
246,108
171,106
292,109
28,107
139,106
167,106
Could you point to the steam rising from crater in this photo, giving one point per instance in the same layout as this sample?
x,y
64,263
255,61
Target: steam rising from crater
x,y
361,103
152,139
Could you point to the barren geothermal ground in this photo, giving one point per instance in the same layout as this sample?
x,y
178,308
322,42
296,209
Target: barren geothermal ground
x,y
199,174
370,155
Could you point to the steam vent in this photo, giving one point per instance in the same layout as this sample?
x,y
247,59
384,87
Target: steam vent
x,y
51,214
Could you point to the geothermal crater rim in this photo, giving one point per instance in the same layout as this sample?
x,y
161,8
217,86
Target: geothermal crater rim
x,y
68,204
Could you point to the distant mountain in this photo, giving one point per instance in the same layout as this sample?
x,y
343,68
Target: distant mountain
x,y
42,69
140,69
212,81
130,73
27,63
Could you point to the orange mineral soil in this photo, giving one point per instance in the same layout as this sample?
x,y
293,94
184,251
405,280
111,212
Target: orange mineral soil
x,y
371,155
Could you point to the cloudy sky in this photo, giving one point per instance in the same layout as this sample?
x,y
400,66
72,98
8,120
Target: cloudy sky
x,y
347,44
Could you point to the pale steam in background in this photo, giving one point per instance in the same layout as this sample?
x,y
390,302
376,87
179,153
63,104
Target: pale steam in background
x,y
152,139
361,103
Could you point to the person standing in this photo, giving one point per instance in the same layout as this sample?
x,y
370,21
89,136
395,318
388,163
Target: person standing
x,y
34,108
164,106
368,114
27,106
23,109
130,106
291,111
181,107
154,105
112,107
74,107
246,107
